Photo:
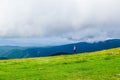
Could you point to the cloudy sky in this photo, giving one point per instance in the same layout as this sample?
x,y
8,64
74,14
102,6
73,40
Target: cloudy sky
x,y
49,22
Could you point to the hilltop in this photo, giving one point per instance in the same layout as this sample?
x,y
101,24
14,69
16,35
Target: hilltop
x,y
101,65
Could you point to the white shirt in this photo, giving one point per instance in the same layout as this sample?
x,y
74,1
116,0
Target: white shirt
x,y
74,47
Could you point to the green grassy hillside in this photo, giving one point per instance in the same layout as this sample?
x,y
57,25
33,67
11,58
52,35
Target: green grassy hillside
x,y
102,65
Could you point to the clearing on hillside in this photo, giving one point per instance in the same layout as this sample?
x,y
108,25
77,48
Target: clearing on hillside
x,y
101,65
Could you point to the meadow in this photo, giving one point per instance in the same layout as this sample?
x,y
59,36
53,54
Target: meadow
x,y
100,65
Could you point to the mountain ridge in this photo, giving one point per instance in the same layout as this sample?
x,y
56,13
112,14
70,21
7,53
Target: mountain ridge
x,y
26,52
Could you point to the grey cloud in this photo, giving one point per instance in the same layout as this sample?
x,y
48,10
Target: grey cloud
x,y
87,20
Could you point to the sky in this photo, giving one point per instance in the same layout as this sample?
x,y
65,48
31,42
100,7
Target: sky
x,y
54,22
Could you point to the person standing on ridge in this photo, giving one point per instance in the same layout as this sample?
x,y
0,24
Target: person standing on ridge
x,y
74,48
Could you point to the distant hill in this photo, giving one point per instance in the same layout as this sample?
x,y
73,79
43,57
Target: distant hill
x,y
26,52
3,58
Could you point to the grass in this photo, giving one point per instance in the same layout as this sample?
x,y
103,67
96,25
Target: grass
x,y
101,65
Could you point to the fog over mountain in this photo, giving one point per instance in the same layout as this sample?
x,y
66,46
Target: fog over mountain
x,y
62,20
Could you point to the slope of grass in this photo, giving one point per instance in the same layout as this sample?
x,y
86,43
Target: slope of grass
x,y
102,65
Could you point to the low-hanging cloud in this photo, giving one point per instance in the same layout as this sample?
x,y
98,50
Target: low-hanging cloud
x,y
73,19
